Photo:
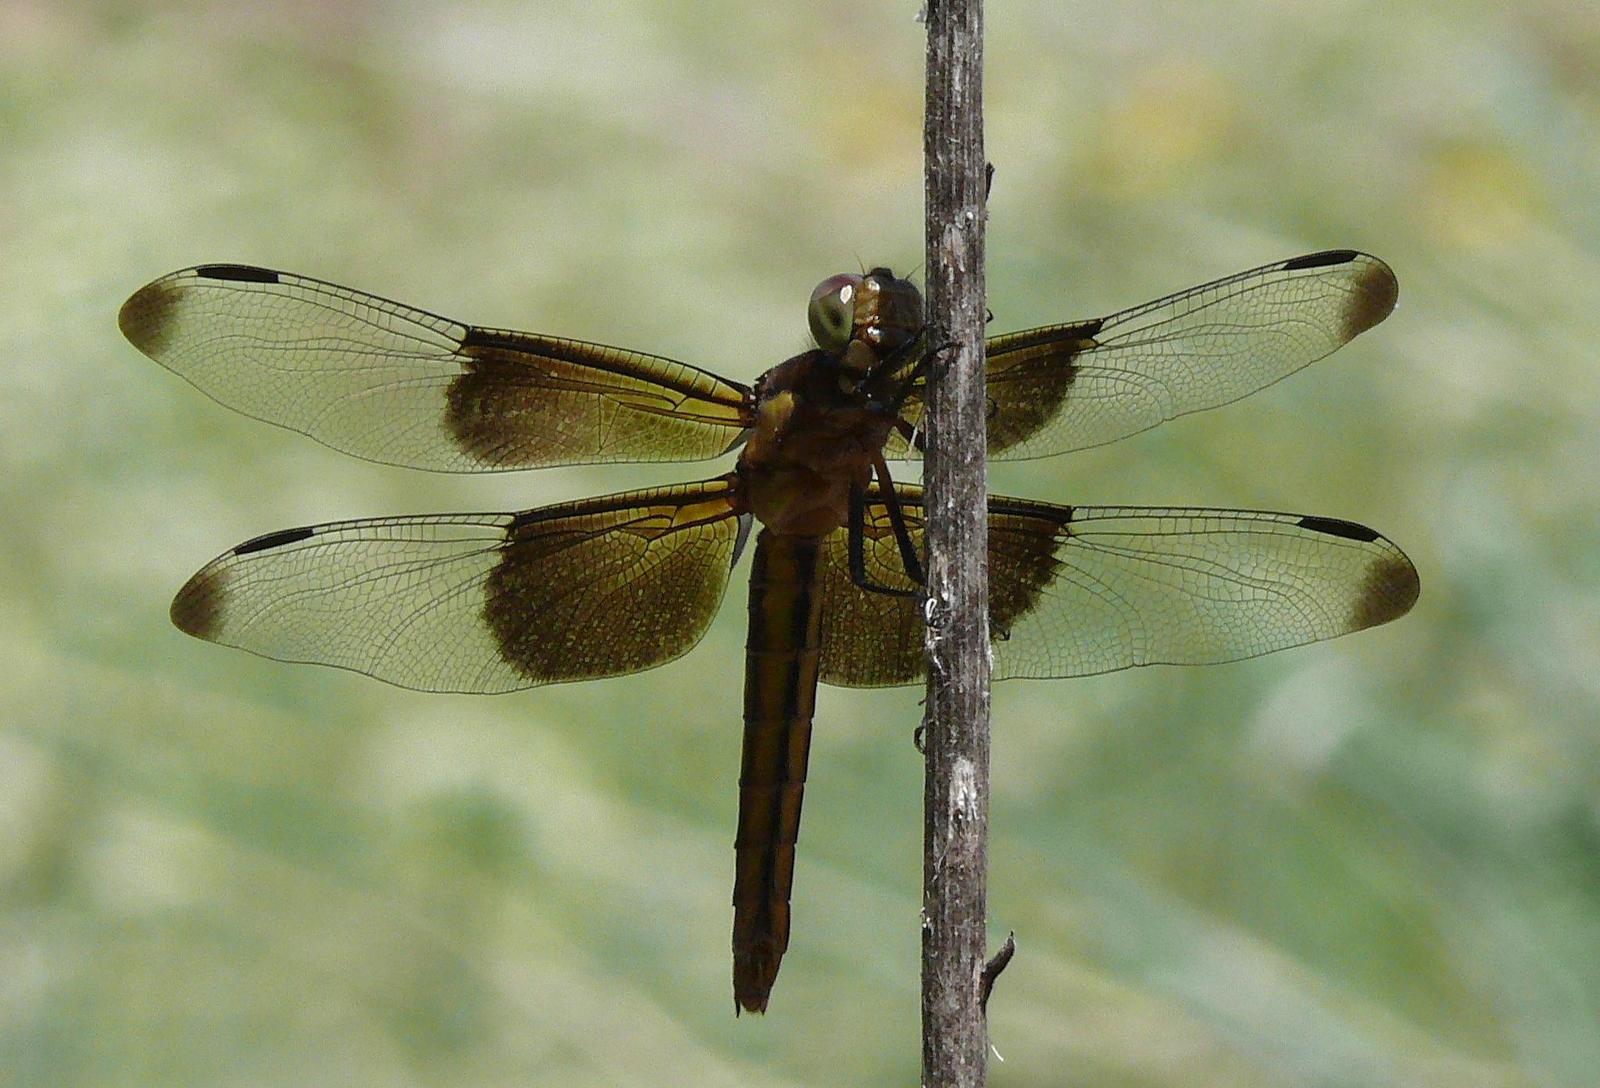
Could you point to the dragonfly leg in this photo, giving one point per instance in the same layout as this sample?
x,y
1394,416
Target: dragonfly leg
x,y
897,519
912,434
882,375
857,545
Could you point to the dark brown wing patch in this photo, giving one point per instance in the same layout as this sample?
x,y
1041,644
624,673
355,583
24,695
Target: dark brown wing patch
x,y
876,639
1031,374
1022,559
872,639
611,586
567,395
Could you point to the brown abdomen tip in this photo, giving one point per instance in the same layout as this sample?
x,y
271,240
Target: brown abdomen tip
x,y
754,972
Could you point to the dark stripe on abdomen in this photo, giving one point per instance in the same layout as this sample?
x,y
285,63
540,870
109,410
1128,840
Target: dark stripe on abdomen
x,y
780,690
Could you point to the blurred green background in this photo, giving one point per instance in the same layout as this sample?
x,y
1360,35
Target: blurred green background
x,y
1368,862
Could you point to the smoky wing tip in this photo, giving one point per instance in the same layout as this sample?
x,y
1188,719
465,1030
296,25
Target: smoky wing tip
x,y
1376,292
197,608
1391,588
143,319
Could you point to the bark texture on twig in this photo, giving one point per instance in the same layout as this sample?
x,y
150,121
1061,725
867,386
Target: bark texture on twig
x,y
956,799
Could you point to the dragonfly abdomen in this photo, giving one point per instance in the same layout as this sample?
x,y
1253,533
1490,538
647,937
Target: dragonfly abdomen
x,y
782,654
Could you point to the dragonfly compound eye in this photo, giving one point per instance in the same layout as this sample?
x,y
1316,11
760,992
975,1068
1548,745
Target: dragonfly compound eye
x,y
832,312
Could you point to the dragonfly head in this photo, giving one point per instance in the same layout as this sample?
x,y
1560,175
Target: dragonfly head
x,y
858,319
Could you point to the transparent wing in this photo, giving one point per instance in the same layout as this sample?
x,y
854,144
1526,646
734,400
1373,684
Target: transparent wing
x,y
1070,387
405,387
1090,589
480,602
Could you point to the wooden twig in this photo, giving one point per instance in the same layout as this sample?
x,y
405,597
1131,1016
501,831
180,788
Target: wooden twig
x,y
992,969
956,745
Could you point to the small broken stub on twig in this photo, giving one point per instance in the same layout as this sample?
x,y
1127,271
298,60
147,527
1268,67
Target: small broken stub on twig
x,y
992,969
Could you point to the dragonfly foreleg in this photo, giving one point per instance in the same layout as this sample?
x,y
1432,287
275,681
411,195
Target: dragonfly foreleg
x,y
909,559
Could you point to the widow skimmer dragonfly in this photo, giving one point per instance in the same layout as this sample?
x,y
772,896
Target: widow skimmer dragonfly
x,y
605,586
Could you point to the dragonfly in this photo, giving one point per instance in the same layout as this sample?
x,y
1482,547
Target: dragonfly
x,y
495,602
